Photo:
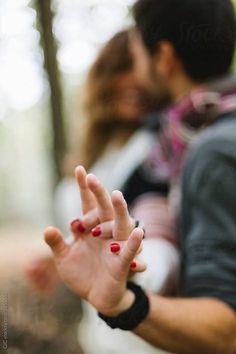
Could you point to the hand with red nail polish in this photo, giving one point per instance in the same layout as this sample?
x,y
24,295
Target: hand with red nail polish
x,y
97,269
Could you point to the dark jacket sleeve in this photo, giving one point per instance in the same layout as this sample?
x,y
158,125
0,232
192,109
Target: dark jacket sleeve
x,y
209,222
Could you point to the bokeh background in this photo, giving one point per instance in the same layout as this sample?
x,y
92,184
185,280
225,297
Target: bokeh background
x,y
46,48
32,144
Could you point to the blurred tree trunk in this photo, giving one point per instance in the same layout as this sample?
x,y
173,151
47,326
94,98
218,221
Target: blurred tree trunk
x,y
49,46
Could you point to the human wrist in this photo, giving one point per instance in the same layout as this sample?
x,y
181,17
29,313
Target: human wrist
x,y
125,303
131,317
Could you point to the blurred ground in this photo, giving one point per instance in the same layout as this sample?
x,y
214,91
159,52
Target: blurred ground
x,y
34,324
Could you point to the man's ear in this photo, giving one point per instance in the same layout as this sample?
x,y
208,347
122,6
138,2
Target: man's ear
x,y
166,59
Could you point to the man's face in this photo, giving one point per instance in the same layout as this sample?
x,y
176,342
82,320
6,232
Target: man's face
x,y
145,68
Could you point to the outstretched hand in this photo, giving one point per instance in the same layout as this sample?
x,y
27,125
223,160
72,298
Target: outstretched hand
x,y
96,268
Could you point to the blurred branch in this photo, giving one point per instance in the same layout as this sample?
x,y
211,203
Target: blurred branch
x,y
49,46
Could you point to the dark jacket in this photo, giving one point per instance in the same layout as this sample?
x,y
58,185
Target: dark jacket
x,y
208,214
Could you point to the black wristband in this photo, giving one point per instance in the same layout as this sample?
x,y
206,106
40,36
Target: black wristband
x,y
131,318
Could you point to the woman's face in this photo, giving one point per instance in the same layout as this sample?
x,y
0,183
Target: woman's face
x,y
129,98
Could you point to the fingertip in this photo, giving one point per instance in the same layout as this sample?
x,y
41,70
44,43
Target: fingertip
x,y
52,235
115,247
143,267
77,226
117,198
136,238
49,231
138,267
92,181
96,231
55,241
117,194
133,264
91,177
80,175
80,170
138,233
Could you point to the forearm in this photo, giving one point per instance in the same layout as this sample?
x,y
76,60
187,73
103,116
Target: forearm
x,y
190,326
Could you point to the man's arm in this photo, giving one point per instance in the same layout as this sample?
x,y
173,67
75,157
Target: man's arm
x,y
190,326
205,322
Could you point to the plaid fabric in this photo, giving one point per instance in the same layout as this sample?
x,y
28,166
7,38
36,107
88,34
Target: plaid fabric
x,y
183,122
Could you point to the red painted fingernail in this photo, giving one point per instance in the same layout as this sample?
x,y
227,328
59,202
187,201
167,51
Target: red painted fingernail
x,y
114,247
133,264
81,228
78,226
96,231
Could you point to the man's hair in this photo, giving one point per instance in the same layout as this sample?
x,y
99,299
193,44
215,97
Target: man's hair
x,y
203,33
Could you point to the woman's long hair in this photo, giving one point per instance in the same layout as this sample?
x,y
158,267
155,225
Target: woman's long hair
x,y
101,124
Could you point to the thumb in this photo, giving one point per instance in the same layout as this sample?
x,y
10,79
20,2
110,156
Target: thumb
x,y
132,247
54,238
